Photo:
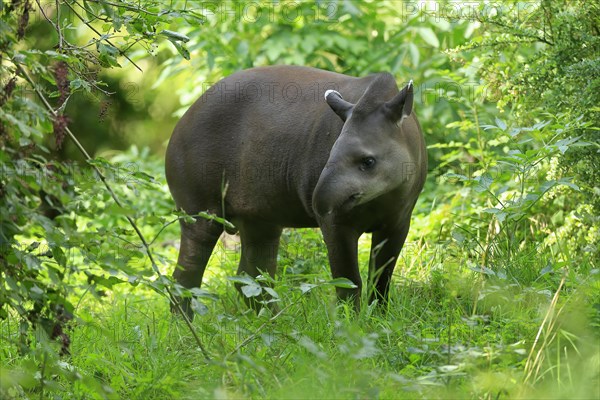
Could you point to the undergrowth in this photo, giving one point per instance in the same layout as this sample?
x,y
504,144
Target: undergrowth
x,y
477,310
448,332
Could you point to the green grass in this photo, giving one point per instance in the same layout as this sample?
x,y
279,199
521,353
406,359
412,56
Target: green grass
x,y
448,332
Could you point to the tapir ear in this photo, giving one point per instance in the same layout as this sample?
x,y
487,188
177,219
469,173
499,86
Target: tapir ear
x,y
400,106
340,106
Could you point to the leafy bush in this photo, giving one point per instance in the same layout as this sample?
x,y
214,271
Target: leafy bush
x,y
60,236
543,60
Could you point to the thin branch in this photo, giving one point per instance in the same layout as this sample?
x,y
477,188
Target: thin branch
x,y
513,30
205,215
136,41
61,45
60,35
94,85
128,7
144,11
88,158
163,228
55,26
547,18
96,16
99,34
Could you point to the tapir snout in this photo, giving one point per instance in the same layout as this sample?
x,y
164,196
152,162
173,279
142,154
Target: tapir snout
x,y
333,195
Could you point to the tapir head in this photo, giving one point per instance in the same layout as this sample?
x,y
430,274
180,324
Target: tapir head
x,y
366,161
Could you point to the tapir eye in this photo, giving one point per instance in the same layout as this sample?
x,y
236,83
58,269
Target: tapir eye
x,y
367,162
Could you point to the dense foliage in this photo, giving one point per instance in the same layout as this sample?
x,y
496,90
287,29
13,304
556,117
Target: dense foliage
x,y
496,294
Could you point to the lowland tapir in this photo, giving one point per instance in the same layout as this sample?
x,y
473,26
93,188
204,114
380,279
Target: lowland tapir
x,y
290,146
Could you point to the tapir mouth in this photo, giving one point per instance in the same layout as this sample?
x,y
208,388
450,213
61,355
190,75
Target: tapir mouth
x,y
347,205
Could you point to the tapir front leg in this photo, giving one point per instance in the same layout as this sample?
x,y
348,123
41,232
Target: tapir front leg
x,y
385,248
260,244
342,249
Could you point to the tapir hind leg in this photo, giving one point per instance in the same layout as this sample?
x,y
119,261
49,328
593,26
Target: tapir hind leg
x,y
197,243
385,248
260,243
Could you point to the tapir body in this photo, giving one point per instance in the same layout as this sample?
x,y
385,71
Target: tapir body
x,y
287,146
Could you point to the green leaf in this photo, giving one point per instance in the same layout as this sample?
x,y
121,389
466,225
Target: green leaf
x,y
251,290
59,256
351,8
415,55
36,292
483,270
547,269
342,283
181,49
174,36
198,307
448,368
212,217
108,54
501,124
272,292
210,60
245,279
567,182
273,51
307,287
500,214
491,210
459,177
201,293
484,181
428,36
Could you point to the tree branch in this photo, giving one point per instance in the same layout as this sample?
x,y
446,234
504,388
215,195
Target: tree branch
x,y
514,31
55,26
99,34
128,7
137,230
